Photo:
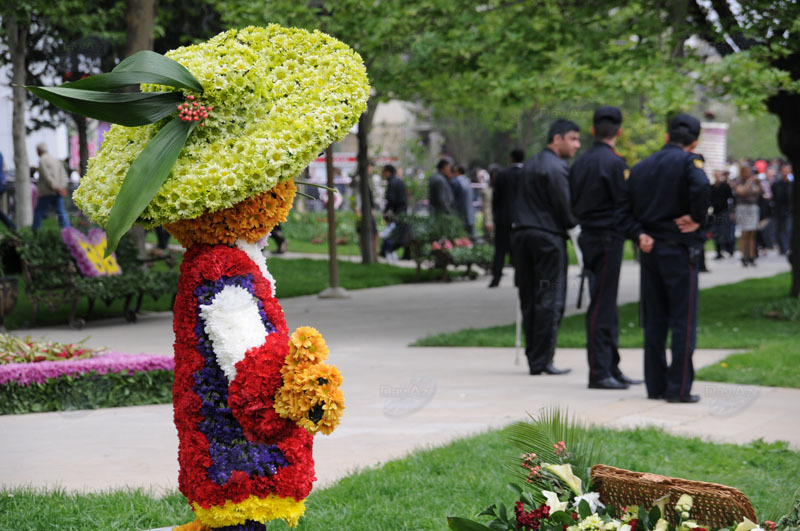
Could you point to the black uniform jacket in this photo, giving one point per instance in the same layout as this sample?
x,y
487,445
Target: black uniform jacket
x,y
666,185
543,200
596,180
506,188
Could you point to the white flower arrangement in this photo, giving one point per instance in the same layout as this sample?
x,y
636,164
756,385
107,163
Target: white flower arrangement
x,y
255,252
234,325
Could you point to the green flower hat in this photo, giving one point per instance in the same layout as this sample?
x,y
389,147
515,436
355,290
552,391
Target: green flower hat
x,y
277,97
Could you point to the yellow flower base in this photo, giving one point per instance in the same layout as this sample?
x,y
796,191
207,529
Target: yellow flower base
x,y
253,508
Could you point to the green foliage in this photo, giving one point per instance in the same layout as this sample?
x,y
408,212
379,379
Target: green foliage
x,y
306,276
313,226
550,427
89,391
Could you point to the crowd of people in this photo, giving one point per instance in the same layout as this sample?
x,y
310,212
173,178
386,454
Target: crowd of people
x,y
752,202
665,204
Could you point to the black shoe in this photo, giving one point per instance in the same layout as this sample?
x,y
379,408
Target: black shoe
x,y
687,399
549,369
494,283
719,257
608,383
630,381
655,397
705,270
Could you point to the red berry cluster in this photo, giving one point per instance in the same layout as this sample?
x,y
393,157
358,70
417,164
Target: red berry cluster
x,y
560,448
530,520
191,111
769,525
530,462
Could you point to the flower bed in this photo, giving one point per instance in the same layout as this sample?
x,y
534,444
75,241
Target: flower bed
x,y
48,376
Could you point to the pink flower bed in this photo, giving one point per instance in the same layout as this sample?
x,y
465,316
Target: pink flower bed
x,y
28,373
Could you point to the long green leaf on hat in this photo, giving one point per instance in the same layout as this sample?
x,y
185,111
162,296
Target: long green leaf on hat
x,y
145,176
129,109
143,67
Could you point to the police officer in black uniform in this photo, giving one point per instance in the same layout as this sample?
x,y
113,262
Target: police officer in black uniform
x,y
664,206
596,181
542,215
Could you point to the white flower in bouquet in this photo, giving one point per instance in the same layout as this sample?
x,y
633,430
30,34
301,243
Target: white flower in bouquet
x,y
613,525
564,472
553,502
661,525
591,523
747,525
684,504
625,527
687,525
592,498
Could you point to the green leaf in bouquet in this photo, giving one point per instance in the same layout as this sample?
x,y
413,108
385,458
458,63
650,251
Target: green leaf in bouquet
x,y
584,510
143,67
489,511
516,488
128,109
462,524
611,511
497,525
562,517
655,514
502,512
528,499
145,176
644,518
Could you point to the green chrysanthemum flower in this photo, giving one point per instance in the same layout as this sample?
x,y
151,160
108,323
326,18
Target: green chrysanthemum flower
x,y
279,96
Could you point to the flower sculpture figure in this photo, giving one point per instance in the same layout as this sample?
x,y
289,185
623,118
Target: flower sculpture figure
x,y
238,117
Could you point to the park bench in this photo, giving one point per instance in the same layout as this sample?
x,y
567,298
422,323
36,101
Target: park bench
x,y
52,277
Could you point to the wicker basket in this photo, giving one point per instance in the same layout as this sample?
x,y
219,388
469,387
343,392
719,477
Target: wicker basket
x,y
714,505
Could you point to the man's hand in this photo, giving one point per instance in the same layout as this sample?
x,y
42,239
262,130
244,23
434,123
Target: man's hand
x,y
646,243
686,224
62,192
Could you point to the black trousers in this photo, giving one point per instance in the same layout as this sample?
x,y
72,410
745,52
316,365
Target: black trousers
x,y
669,303
602,260
502,246
540,263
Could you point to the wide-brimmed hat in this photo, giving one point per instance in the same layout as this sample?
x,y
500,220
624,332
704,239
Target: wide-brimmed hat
x,y
272,99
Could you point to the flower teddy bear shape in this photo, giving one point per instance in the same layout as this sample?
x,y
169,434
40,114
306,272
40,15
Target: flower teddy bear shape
x,y
248,396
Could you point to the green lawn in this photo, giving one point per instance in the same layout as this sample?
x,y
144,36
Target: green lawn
x,y
300,246
292,277
731,316
422,490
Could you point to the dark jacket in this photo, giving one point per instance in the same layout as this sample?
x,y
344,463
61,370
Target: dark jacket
x,y
596,179
721,197
506,188
782,193
543,199
440,195
666,185
396,197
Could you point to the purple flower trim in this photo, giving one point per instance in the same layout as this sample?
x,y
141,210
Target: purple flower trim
x,y
249,525
72,237
228,448
28,373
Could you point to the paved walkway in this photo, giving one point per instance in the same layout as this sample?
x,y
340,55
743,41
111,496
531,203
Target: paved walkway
x,y
398,398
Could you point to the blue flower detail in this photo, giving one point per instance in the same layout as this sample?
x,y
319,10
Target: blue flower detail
x,y
228,448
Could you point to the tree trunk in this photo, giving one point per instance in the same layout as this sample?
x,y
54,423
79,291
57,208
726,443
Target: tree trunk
x,y
140,20
83,142
17,44
333,265
787,107
367,242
